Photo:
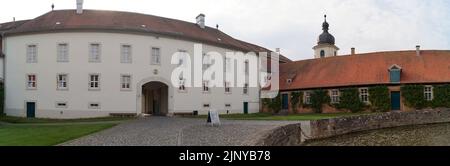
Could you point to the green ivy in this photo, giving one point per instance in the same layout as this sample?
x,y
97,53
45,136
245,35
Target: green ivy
x,y
379,99
273,104
318,99
350,100
413,96
296,98
441,96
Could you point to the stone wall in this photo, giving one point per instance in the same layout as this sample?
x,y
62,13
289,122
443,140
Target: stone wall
x,y
333,127
296,134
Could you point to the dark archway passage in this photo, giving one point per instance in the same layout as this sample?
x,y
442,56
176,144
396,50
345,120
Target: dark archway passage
x,y
155,98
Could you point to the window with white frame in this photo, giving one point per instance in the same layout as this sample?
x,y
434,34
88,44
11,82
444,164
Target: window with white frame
x,y
61,81
205,86
156,56
125,55
31,81
94,106
307,98
63,52
227,87
94,81
364,95
245,89
246,67
206,105
181,84
32,53
182,56
206,61
94,52
335,96
125,82
428,92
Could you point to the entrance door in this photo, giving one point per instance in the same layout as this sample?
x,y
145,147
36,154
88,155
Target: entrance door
x,y
245,107
285,101
31,109
395,101
156,108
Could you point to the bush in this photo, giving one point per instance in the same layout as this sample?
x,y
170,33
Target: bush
x,y
441,96
273,104
350,100
2,95
318,99
296,98
413,96
379,99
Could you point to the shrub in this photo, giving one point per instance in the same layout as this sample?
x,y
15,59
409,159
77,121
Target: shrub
x,y
273,104
296,98
413,96
350,100
441,96
379,99
318,99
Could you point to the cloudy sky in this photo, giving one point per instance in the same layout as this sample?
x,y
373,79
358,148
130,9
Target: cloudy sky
x,y
292,25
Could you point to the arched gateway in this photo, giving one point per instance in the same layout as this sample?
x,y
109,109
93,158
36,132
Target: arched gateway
x,y
154,97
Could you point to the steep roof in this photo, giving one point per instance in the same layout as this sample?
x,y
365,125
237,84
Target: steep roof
x,y
68,20
366,69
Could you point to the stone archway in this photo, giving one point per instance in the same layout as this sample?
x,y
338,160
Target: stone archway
x,y
154,97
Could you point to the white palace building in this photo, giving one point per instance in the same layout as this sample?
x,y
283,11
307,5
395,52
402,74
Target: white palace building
x,y
91,63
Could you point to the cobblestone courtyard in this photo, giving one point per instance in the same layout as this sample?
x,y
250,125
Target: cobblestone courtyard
x,y
166,131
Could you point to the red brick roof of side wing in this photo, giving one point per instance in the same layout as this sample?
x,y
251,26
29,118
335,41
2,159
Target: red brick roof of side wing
x,y
104,20
366,69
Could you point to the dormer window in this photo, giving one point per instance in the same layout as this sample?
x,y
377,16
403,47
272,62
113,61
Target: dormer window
x,y
289,81
395,73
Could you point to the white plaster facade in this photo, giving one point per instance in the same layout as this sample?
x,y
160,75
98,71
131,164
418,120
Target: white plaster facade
x,y
110,96
329,50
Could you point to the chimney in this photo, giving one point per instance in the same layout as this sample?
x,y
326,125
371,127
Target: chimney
x,y
418,50
278,50
353,51
79,6
201,20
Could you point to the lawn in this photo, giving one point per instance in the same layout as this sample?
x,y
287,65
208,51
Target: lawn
x,y
10,119
293,117
16,131
46,134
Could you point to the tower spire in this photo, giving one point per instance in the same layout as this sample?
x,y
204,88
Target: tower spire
x,y
325,25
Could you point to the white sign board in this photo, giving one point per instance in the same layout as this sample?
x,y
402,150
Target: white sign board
x,y
214,117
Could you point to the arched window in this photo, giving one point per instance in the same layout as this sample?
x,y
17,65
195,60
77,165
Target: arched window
x,y
322,53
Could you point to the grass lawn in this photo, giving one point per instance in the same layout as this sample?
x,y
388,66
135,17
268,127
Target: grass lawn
x,y
46,135
10,119
19,131
293,117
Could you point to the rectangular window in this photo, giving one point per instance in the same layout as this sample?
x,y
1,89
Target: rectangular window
x,y
227,105
31,81
156,56
181,86
61,104
227,87
206,61
364,95
428,92
63,52
245,90
32,54
205,86
125,55
246,67
125,82
94,53
94,82
335,96
94,105
61,81
182,58
307,97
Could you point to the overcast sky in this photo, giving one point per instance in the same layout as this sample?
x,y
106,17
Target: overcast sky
x,y
292,25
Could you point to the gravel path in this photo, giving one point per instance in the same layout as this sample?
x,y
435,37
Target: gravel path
x,y
166,131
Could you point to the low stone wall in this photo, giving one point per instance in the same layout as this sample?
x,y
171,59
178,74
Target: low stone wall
x,y
339,126
296,134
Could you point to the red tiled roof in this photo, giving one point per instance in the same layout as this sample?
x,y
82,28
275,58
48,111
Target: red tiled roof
x,y
130,22
366,69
